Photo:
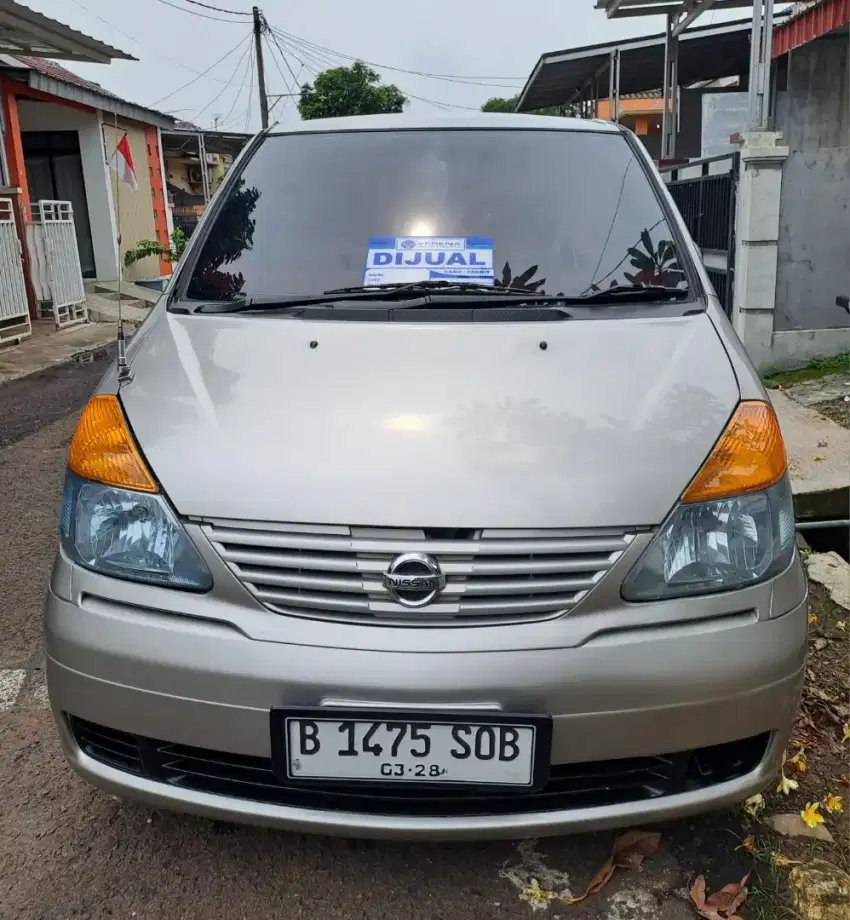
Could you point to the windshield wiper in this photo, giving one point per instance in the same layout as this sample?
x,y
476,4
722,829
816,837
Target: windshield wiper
x,y
633,293
425,294
409,296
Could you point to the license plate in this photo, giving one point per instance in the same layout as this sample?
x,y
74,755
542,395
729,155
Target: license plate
x,y
470,749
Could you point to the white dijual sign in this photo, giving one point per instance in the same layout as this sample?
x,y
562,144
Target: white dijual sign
x,y
408,259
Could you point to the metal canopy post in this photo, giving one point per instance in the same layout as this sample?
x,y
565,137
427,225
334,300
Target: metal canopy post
x,y
761,51
614,87
670,94
205,179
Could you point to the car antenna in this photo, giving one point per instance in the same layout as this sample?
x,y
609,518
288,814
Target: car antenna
x,y
125,375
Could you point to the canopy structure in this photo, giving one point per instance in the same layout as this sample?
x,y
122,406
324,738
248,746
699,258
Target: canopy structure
x,y
680,56
24,31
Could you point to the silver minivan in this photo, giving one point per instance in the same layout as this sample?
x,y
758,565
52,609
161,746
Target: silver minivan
x,y
437,499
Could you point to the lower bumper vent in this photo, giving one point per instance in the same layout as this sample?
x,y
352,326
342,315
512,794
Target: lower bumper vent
x,y
570,786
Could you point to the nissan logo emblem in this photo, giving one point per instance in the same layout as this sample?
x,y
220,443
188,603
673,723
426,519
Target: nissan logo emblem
x,y
414,579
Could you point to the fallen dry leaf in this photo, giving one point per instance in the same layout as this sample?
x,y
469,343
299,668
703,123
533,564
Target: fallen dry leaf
x,y
629,852
820,643
818,458
723,903
795,826
823,443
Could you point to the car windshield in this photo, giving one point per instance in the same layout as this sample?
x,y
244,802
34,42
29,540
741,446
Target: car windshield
x,y
548,211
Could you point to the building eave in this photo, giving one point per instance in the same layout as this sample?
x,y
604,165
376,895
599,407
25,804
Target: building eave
x,y
94,100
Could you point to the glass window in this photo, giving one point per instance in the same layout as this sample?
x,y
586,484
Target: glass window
x,y
569,212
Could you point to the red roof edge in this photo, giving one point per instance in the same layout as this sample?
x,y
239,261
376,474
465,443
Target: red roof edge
x,y
810,25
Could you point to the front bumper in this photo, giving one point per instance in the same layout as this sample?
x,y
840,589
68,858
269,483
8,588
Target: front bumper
x,y
206,686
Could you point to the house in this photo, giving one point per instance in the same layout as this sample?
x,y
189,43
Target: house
x,y
60,132
195,163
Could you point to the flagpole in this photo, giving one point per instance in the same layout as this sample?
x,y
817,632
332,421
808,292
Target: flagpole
x,y
123,370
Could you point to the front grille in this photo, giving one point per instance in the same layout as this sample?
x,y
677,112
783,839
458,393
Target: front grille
x,y
492,576
570,786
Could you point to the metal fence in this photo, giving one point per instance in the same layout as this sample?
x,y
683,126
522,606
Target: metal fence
x,y
55,271
14,311
705,192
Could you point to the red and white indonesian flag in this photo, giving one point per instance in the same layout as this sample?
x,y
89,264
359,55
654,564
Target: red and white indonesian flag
x,y
122,163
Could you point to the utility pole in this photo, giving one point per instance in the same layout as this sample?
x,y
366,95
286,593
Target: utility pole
x,y
261,73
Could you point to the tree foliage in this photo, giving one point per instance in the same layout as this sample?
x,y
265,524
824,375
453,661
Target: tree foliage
x,y
498,104
145,248
355,90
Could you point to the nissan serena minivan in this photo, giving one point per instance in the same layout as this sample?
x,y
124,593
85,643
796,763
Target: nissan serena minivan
x,y
436,498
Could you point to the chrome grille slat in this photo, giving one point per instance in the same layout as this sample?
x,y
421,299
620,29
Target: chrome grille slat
x,y
336,572
286,540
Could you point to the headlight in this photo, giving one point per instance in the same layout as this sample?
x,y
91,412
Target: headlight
x,y
717,546
128,534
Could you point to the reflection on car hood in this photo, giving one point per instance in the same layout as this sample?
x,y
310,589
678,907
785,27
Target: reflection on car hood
x,y
428,425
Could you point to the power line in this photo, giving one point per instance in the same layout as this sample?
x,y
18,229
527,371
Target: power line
x,y
247,51
203,73
452,78
283,56
282,77
218,9
134,39
226,118
250,94
436,103
183,9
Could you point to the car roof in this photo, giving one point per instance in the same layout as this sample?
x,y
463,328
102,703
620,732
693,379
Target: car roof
x,y
483,120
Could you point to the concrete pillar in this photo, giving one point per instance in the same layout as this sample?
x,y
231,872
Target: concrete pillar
x,y
756,241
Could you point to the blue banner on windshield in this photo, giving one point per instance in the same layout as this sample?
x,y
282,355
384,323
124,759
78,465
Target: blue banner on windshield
x,y
409,259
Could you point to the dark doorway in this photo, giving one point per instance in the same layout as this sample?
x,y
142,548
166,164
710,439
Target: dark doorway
x,y
55,171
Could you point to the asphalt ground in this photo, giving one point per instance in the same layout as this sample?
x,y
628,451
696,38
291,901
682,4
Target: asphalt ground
x,y
70,851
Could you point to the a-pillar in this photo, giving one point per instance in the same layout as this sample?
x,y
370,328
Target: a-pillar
x,y
756,242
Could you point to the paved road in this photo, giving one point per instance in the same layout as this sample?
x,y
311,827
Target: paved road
x,y
68,851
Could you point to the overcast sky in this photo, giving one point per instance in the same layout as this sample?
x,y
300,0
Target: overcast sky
x,y
499,38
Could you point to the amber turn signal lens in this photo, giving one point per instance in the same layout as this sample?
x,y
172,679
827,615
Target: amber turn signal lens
x,y
103,450
748,457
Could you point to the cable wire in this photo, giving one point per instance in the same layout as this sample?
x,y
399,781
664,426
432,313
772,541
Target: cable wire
x,y
247,51
236,98
250,95
436,103
452,78
183,9
218,9
283,56
203,73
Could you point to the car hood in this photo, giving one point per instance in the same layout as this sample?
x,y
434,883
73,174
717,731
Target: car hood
x,y
572,424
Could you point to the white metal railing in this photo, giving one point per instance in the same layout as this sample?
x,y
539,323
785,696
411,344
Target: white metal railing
x,y
14,310
57,277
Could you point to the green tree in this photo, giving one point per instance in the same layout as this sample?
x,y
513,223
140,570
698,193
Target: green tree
x,y
498,104
355,90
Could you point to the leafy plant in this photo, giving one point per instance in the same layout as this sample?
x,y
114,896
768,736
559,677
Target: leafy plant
x,y
655,264
234,235
354,90
145,248
521,282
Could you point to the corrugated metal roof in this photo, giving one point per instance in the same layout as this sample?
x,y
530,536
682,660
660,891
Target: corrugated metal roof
x,y
24,31
54,79
58,72
810,22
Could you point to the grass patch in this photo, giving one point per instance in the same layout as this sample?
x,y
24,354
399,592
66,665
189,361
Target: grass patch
x,y
820,367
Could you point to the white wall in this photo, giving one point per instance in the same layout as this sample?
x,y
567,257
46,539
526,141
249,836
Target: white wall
x,y
44,116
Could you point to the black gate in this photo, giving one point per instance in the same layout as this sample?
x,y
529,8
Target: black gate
x,y
705,192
